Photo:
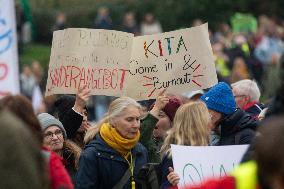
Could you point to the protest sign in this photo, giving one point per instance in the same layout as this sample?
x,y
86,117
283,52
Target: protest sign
x,y
115,63
244,23
180,60
9,74
195,164
96,58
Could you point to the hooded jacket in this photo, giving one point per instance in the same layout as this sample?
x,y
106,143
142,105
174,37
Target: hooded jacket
x,y
102,167
237,128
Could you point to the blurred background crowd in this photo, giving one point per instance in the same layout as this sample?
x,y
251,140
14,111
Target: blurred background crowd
x,y
246,36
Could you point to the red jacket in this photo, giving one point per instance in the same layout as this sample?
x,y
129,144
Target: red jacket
x,y
59,177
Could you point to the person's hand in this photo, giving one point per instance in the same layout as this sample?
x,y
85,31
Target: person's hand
x,y
84,126
82,97
161,102
173,177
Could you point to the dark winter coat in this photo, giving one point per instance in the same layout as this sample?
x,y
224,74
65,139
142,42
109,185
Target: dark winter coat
x,y
102,167
237,128
70,119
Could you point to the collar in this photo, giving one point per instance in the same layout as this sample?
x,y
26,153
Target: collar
x,y
247,106
102,146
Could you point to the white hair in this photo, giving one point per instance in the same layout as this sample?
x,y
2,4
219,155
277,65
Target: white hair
x,y
247,87
118,105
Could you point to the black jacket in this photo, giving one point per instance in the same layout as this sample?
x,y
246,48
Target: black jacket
x,y
237,128
71,122
101,167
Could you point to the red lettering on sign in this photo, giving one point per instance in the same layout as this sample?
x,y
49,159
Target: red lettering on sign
x,y
94,78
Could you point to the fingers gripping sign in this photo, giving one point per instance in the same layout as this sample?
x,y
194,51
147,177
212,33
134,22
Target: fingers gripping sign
x,y
173,177
82,96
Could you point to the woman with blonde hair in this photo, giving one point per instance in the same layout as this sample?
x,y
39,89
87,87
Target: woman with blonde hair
x,y
113,157
191,127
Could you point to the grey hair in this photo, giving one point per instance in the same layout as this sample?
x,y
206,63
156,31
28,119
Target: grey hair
x,y
116,109
118,105
247,87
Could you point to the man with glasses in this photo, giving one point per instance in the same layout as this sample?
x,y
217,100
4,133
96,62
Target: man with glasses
x,y
247,94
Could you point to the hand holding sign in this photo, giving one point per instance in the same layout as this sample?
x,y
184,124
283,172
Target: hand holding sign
x,y
160,103
82,97
173,177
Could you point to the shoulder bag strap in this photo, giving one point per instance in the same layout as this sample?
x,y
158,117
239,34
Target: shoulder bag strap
x,y
123,180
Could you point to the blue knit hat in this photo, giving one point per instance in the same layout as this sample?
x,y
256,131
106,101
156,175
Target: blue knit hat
x,y
220,99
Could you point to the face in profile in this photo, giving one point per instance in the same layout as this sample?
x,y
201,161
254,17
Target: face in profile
x,y
85,125
215,118
128,124
241,99
162,126
53,138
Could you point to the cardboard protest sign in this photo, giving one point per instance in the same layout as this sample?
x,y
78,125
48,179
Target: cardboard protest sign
x,y
195,164
115,63
244,23
181,61
96,58
9,72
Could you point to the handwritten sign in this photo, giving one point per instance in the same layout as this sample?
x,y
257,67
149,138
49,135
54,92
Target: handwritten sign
x,y
96,58
195,164
9,76
115,63
181,61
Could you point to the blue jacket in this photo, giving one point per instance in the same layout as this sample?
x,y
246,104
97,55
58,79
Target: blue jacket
x,y
101,167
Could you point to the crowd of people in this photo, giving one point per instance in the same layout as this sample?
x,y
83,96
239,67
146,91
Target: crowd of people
x,y
50,143
238,55
64,150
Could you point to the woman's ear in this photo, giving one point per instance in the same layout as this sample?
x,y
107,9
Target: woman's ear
x,y
112,122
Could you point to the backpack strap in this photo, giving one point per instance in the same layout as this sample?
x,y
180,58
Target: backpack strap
x,y
153,178
123,180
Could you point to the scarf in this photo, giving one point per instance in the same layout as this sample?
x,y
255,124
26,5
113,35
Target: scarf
x,y
116,141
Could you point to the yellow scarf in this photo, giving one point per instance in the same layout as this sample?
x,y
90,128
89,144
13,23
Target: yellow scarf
x,y
116,141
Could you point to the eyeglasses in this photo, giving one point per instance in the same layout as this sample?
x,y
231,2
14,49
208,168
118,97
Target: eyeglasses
x,y
57,133
239,96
